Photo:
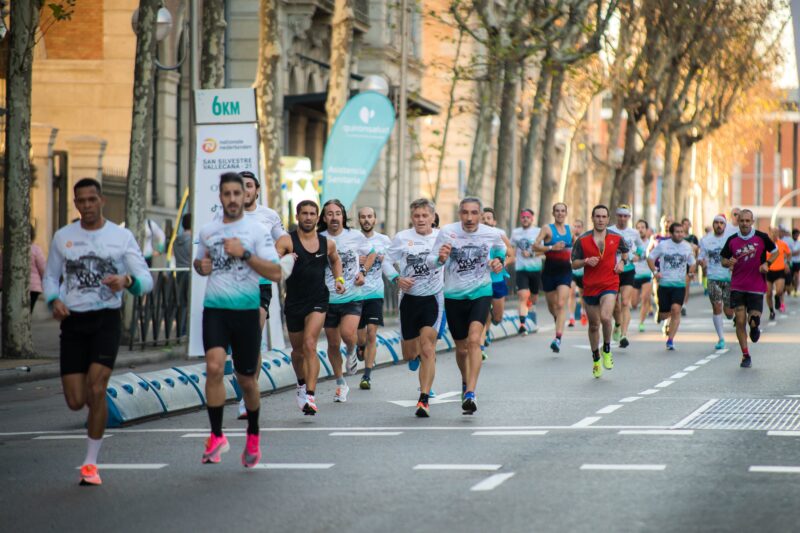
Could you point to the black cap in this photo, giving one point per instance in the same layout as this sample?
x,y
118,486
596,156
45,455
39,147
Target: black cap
x,y
248,174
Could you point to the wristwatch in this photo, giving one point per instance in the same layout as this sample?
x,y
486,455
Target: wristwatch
x,y
246,256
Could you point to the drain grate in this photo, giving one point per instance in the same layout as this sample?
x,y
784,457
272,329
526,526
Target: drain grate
x,y
749,414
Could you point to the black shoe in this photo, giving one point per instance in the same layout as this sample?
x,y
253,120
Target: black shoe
x,y
772,315
523,330
623,342
755,332
468,406
360,353
746,361
683,311
423,410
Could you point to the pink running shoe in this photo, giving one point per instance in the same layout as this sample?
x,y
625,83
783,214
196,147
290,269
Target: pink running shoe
x,y
783,307
215,447
252,451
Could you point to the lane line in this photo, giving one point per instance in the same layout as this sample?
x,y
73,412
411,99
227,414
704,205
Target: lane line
x,y
648,392
630,399
588,421
702,362
608,409
457,467
365,433
691,368
723,351
776,433
679,375
492,482
656,432
294,466
204,435
64,437
624,467
775,469
129,466
508,433
694,414
712,356
665,383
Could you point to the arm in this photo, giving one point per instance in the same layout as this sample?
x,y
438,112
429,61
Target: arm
x,y
38,259
159,237
335,263
202,262
544,235
138,279
692,264
50,283
263,259
509,250
651,262
578,260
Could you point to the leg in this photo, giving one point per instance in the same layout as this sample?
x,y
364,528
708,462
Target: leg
x,y
411,349
298,355
334,351
523,295
371,349
770,287
607,304
562,295
779,286
674,320
498,308
645,295
473,357
427,369
96,385
74,387
348,329
310,334
741,327
593,314
250,392
215,371
625,296
462,360
552,304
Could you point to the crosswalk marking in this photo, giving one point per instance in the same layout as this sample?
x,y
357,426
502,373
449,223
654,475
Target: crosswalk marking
x,y
64,437
656,432
588,421
365,433
608,409
492,482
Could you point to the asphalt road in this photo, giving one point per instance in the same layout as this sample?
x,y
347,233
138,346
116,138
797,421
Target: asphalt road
x,y
654,445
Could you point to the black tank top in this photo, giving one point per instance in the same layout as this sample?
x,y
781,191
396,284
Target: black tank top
x,y
306,286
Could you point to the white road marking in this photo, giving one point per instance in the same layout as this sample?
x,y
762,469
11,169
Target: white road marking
x,y
792,395
679,375
129,466
702,362
588,421
712,356
457,467
691,368
656,432
492,482
294,466
775,469
412,403
624,467
508,433
204,435
694,414
365,433
775,433
663,384
723,351
648,392
63,437
608,409
630,399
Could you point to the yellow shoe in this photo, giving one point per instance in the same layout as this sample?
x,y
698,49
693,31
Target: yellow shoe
x,y
597,369
608,361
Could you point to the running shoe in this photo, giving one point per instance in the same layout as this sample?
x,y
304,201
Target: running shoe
x,y
423,410
556,345
571,323
432,394
615,336
90,476
484,357
242,410
463,391
670,345
341,393
720,345
665,329
608,360
360,352
413,365
252,451
772,315
641,327
755,332
300,396
782,308
365,384
623,342
310,407
747,361
469,405
352,363
487,341
597,369
215,447
522,331
683,311
584,319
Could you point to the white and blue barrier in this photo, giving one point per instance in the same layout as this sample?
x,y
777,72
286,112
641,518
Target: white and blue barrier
x,y
132,396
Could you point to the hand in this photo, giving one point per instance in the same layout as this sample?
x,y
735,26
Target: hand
x,y
359,279
559,245
362,259
60,311
339,287
764,268
619,267
444,252
405,284
233,247
115,282
787,270
635,258
496,265
203,266
731,262
658,275
526,253
592,261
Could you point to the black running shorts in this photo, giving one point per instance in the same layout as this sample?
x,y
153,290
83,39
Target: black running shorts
x,y
528,280
775,275
237,329
669,296
627,278
371,313
296,318
266,296
89,337
752,301
461,313
337,311
639,282
417,312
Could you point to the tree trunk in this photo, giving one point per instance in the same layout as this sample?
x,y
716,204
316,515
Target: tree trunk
x,y
450,104
142,120
623,181
668,180
682,187
505,141
341,57
17,339
528,181
270,100
487,97
647,190
212,61
549,179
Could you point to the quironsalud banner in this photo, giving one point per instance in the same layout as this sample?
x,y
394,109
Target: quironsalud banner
x,y
355,143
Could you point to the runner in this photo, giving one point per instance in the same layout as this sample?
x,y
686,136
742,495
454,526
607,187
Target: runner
x,y
795,261
95,260
691,239
555,240
732,227
673,257
529,268
622,309
234,253
576,288
663,235
421,301
372,311
643,278
306,256
467,249
750,253
602,254
776,276
719,277
344,311
499,286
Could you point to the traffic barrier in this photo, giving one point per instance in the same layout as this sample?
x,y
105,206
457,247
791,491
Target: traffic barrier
x,y
325,369
280,368
197,373
175,391
129,397
384,351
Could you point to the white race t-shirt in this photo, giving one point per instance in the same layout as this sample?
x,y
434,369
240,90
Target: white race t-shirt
x,y
467,273
414,254
350,244
523,240
710,248
634,243
373,286
675,257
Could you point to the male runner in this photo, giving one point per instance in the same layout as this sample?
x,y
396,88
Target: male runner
x,y
602,254
576,289
719,277
555,240
691,239
776,276
674,256
307,255
642,280
468,249
529,267
421,302
95,260
234,253
344,311
622,310
372,291
750,253
499,286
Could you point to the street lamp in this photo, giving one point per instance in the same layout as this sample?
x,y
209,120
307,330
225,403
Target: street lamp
x,y
374,83
163,27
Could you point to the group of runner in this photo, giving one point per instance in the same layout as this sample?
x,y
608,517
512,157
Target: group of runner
x,y
334,280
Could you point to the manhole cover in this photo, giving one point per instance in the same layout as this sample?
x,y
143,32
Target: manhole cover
x,y
775,414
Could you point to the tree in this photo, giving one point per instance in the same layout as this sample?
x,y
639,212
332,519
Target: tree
x,y
212,61
341,57
269,99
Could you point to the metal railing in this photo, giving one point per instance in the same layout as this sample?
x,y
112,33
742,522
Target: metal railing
x,y
160,317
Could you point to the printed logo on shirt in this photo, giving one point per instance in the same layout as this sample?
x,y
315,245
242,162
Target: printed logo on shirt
x,y
470,257
746,252
88,272
674,262
417,266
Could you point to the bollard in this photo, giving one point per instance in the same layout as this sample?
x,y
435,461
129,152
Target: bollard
x,y
175,391
129,397
197,373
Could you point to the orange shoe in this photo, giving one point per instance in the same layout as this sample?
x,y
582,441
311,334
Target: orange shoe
x,y
89,475
584,320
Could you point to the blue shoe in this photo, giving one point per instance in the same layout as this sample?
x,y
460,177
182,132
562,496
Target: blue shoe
x,y
469,405
556,345
413,365
670,346
746,361
463,390
720,345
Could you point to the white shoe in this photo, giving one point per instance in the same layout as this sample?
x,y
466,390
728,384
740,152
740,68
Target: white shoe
x,y
341,393
352,363
242,410
301,396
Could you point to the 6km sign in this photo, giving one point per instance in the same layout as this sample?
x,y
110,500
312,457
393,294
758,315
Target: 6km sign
x,y
225,106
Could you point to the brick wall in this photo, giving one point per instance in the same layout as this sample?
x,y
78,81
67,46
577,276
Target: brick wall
x,y
78,38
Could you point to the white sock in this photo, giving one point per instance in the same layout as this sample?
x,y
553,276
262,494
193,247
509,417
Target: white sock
x,y
92,449
718,325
